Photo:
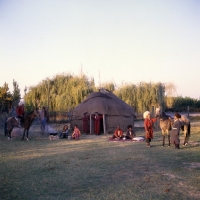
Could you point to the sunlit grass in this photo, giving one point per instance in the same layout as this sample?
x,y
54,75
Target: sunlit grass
x,y
94,168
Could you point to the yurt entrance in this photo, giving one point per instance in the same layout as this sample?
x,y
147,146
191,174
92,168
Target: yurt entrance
x,y
97,124
101,123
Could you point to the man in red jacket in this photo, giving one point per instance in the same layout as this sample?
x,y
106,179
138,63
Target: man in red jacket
x,y
97,117
20,112
148,126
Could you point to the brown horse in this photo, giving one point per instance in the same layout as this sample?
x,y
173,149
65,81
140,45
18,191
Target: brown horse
x,y
12,122
165,125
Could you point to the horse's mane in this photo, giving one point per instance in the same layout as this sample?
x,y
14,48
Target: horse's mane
x,y
164,116
30,113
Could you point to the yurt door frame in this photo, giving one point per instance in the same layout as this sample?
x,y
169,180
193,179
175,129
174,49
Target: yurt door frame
x,y
104,124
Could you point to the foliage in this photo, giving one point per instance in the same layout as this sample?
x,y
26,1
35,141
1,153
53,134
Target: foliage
x,y
8,99
170,90
143,96
4,97
16,94
109,86
181,103
63,92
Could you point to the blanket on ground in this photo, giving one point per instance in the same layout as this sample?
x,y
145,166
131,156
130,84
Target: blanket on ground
x,y
135,139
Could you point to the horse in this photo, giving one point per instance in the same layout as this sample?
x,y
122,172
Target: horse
x,y
186,127
12,122
165,125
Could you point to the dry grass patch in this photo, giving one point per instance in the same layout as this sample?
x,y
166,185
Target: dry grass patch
x,y
95,168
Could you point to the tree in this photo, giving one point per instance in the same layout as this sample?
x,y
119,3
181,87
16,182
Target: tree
x,y
62,92
5,98
170,90
16,96
109,86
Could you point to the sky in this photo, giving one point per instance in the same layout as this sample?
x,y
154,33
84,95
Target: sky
x,y
129,41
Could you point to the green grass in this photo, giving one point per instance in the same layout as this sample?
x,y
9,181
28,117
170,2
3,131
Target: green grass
x,y
94,168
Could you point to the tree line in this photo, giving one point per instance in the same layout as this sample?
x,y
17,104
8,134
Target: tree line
x,y
8,99
64,92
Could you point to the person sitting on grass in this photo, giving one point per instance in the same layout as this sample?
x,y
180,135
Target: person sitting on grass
x,y
64,132
76,134
118,133
130,134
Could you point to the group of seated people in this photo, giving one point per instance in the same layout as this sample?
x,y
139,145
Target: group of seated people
x,y
65,132
118,133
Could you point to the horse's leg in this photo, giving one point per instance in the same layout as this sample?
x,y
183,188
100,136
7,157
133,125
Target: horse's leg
x,y
186,135
23,134
5,129
27,134
163,138
9,134
188,132
168,134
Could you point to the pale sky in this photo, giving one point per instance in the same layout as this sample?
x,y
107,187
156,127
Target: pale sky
x,y
123,41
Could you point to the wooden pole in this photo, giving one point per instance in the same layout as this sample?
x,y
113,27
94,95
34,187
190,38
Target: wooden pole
x,y
104,124
90,124
48,94
153,110
188,111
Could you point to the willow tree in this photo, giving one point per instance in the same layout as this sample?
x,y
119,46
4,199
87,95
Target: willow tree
x,y
170,93
62,92
109,86
149,95
127,93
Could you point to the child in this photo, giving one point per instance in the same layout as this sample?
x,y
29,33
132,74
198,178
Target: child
x,y
130,134
76,134
64,132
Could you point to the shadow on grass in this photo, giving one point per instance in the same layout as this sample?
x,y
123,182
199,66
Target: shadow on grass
x,y
94,168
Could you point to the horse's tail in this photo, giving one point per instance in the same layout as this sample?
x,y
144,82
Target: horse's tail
x,y
189,128
5,127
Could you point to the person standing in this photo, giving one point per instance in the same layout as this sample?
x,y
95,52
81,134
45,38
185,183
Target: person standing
x,y
20,111
43,118
96,119
176,126
86,123
148,126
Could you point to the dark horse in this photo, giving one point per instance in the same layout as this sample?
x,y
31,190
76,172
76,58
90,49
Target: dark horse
x,y
12,122
165,125
186,127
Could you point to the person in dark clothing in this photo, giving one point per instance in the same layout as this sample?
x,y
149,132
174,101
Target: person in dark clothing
x,y
130,134
176,126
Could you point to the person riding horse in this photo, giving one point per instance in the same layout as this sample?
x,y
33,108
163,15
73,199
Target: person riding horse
x,y
12,122
20,112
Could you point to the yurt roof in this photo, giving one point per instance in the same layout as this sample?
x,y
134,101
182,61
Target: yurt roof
x,y
104,102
